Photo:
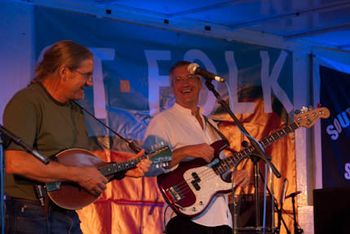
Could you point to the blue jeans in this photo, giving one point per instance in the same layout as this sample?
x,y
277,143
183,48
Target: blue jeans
x,y
29,217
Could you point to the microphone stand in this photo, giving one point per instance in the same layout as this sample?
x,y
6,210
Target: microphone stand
x,y
18,141
131,144
259,150
297,228
26,147
279,210
2,193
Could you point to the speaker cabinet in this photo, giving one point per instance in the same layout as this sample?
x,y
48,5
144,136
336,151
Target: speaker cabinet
x,y
332,211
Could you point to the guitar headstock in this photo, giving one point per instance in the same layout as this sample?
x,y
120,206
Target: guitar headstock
x,y
308,117
160,155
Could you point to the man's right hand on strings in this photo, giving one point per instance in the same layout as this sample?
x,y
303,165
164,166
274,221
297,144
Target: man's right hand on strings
x,y
91,179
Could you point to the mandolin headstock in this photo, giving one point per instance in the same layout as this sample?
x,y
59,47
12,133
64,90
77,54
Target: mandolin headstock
x,y
160,155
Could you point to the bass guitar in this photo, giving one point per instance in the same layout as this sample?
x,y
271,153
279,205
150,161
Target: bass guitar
x,y
71,196
193,184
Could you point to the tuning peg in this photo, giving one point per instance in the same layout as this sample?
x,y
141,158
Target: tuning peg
x,y
304,109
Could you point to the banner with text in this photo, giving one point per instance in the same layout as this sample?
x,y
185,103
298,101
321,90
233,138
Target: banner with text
x,y
334,94
132,63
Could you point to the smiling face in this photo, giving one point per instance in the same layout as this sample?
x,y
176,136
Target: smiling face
x,y
186,87
73,87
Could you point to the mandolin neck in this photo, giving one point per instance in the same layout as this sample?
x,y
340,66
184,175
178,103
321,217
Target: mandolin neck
x,y
113,168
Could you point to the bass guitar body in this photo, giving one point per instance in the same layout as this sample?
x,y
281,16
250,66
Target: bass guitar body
x,y
191,186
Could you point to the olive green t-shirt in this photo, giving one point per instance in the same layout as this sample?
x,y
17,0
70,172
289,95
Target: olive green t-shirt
x,y
44,124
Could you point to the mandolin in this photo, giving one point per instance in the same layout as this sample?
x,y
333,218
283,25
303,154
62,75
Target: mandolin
x,y
72,196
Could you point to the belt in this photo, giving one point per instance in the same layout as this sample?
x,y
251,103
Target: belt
x,y
48,205
41,194
33,202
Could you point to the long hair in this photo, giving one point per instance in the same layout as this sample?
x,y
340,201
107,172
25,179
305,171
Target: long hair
x,y
65,52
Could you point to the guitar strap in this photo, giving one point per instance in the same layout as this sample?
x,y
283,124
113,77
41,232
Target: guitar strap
x,y
222,136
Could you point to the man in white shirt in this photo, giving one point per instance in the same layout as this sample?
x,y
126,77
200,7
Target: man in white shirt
x,y
185,129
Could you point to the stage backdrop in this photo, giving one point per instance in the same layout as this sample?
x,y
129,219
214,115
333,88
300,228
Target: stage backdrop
x,y
334,94
131,85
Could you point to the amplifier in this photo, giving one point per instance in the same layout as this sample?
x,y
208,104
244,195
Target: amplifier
x,y
332,210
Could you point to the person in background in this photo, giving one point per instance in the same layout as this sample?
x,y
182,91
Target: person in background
x,y
187,131
45,116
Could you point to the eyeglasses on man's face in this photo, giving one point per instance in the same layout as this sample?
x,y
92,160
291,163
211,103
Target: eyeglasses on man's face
x,y
189,78
85,75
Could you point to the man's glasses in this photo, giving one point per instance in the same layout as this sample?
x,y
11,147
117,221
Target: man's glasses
x,y
189,77
87,75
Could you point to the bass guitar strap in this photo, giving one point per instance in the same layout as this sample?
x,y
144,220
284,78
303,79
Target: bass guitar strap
x,y
222,136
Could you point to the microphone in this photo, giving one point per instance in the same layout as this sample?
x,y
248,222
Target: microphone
x,y
194,68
